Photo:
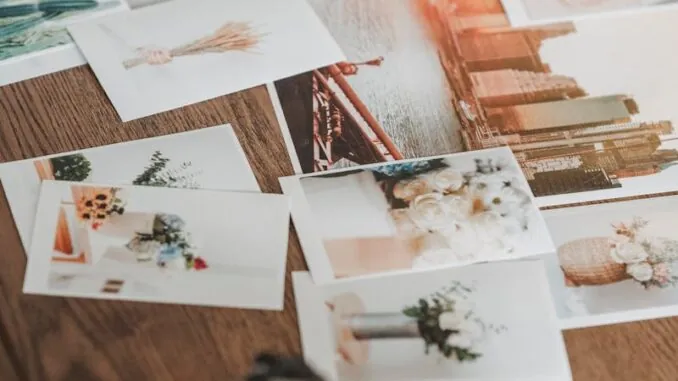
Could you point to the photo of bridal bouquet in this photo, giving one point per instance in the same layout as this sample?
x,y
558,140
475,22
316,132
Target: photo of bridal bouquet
x,y
648,260
446,321
482,211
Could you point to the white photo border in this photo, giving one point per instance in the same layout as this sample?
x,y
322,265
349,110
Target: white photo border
x,y
312,242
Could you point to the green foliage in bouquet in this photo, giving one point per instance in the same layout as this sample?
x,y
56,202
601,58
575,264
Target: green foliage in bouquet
x,y
158,173
427,313
74,167
168,229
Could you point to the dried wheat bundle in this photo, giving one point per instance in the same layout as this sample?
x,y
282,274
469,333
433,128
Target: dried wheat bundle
x,y
232,36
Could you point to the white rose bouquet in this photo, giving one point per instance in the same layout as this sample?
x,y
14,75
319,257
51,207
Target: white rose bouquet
x,y
647,260
446,320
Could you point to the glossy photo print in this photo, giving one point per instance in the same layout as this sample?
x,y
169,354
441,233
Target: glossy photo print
x,y
159,245
528,12
478,323
174,54
615,262
429,78
416,215
33,36
165,161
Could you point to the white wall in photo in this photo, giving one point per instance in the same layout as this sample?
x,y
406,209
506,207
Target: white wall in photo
x,y
243,270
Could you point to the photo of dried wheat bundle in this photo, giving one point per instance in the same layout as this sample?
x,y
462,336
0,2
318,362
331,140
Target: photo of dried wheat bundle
x,y
231,37
177,53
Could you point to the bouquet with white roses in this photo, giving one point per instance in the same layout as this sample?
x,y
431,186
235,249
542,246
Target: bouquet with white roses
x,y
446,320
647,259
480,212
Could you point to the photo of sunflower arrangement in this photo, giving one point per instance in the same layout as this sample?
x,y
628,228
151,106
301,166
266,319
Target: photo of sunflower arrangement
x,y
96,207
168,243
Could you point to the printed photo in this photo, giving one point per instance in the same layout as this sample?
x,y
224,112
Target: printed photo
x,y
530,12
482,322
615,262
581,127
416,215
159,245
166,161
33,36
174,54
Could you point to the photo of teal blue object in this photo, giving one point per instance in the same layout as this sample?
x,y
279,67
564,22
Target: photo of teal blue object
x,y
39,25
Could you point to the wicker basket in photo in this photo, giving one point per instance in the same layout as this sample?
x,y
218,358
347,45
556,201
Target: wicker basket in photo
x,y
587,262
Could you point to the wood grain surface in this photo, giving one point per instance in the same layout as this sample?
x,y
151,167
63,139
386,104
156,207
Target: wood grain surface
x,y
49,338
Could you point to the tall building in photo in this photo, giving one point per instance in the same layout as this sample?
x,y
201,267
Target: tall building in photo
x,y
572,180
586,167
509,48
509,87
567,114
587,136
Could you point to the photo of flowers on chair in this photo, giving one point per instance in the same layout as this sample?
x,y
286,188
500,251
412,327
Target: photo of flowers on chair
x,y
444,321
628,254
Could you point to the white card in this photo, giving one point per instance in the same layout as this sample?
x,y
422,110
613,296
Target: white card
x,y
174,54
38,42
533,12
416,215
209,158
369,329
156,244
615,262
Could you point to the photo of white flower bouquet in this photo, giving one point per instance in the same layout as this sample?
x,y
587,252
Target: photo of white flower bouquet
x,y
491,321
450,210
647,259
445,320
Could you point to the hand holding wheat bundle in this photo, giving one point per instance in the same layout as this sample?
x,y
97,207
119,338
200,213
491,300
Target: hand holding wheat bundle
x,y
232,36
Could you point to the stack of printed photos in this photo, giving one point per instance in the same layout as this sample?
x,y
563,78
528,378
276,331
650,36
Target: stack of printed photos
x,y
466,266
472,176
151,220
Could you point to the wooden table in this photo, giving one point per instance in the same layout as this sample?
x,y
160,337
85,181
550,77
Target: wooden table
x,y
48,338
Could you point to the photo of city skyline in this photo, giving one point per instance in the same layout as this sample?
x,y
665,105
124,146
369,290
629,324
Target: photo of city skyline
x,y
586,106
531,12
